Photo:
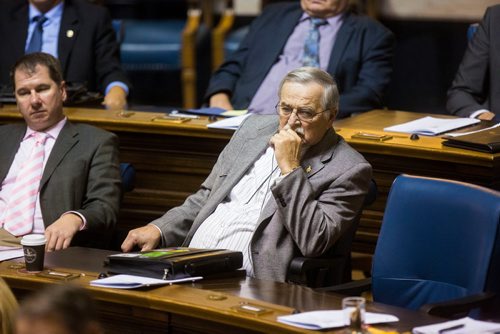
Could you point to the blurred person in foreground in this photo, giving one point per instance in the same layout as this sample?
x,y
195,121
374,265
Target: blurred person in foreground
x,y
58,309
8,308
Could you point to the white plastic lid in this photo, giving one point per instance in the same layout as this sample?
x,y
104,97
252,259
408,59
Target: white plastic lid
x,y
33,240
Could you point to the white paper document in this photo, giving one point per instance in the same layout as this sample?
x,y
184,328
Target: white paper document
x,y
231,123
459,134
132,282
432,126
8,253
317,320
461,326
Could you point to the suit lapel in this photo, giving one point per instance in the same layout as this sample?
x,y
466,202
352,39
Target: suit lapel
x,y
68,33
248,153
314,161
68,137
340,46
285,29
19,29
9,149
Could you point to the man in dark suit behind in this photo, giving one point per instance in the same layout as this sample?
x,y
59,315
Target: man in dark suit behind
x,y
76,32
79,185
355,50
475,92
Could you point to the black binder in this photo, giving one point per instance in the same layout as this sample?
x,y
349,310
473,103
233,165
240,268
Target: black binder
x,y
487,140
175,262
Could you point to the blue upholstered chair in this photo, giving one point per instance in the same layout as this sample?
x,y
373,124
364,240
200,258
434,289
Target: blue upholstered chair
x,y
167,47
127,174
472,30
439,247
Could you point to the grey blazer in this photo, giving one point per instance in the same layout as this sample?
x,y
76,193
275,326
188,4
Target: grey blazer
x,y
82,173
308,211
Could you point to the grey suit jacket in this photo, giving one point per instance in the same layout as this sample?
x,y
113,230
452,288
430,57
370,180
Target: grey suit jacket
x,y
308,211
82,173
477,82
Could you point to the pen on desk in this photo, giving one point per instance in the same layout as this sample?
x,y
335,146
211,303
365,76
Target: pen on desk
x,y
452,328
176,113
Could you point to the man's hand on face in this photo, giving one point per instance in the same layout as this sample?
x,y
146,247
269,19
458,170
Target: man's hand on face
x,y
60,233
146,237
287,148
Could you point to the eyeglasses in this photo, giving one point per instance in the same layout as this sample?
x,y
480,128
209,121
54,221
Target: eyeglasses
x,y
303,114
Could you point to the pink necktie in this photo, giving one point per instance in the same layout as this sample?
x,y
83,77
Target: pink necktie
x,y
20,213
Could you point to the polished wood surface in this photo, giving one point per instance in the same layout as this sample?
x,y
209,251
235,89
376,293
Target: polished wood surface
x,y
206,306
172,159
425,157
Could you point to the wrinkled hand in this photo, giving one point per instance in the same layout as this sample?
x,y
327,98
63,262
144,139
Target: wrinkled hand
x,y
287,146
60,233
116,99
146,237
221,100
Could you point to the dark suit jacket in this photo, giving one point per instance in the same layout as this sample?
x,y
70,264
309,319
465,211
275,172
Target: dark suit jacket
x,y
308,212
82,173
477,82
360,62
91,55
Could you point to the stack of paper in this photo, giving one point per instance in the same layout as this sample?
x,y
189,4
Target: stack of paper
x,y
317,320
432,126
464,325
229,123
132,282
8,253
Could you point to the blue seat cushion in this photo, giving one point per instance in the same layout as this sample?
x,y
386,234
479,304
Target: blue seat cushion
x,y
152,44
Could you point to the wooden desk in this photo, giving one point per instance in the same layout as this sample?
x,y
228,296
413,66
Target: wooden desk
x,y
425,157
203,307
172,160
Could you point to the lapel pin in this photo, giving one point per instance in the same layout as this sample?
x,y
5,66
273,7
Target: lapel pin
x,y
70,33
308,169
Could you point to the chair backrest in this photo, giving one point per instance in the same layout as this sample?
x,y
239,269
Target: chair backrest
x,y
471,30
127,174
439,241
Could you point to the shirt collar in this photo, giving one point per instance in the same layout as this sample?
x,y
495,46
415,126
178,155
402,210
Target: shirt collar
x,y
52,14
332,20
53,132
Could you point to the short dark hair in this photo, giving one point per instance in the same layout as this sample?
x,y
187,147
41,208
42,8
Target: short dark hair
x,y
30,61
66,304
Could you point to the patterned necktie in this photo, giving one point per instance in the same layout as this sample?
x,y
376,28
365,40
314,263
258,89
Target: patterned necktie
x,y
311,46
35,44
20,212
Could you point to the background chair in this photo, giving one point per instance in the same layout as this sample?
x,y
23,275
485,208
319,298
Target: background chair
x,y
438,249
161,54
127,174
334,267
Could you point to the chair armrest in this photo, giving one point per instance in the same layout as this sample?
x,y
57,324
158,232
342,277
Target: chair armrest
x,y
316,272
354,288
219,35
460,307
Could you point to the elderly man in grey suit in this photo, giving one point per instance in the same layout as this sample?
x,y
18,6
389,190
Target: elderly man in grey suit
x,y
284,186
57,178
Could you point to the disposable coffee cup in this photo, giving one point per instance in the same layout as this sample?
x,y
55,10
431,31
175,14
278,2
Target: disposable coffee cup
x,y
34,252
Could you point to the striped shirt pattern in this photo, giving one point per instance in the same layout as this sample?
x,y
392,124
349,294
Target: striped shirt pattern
x,y
232,224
